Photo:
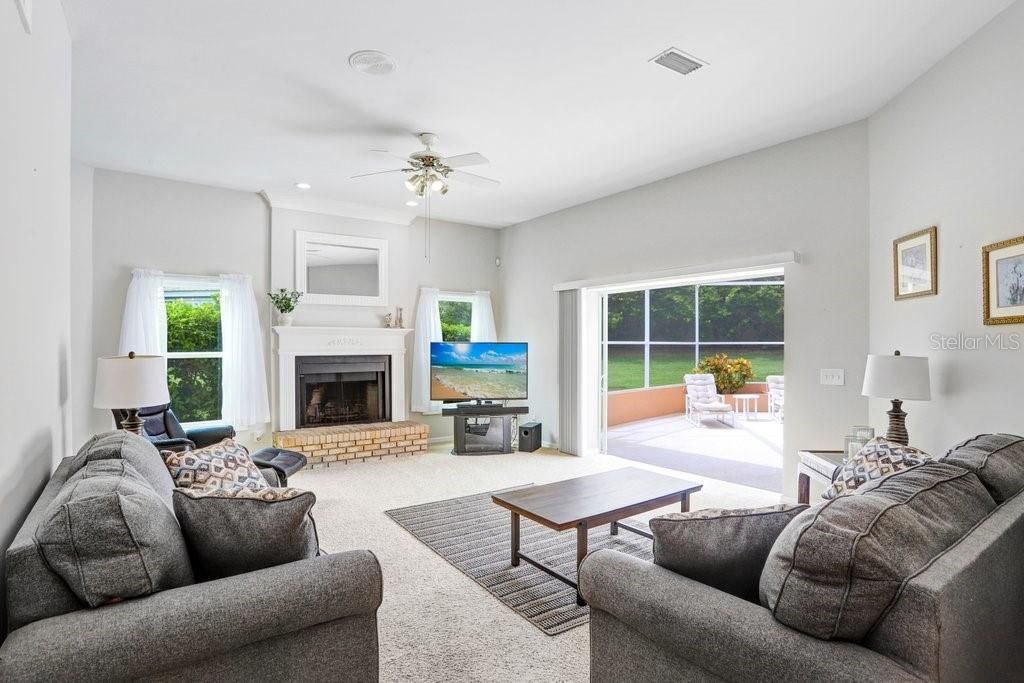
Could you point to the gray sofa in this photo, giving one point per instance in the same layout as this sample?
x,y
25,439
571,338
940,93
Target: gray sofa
x,y
960,617
310,620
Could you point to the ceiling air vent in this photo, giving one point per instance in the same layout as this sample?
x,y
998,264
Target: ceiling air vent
x,y
679,61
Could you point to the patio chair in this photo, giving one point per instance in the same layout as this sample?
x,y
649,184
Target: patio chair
x,y
703,399
776,395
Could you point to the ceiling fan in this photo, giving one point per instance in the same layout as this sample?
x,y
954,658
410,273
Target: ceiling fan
x,y
427,171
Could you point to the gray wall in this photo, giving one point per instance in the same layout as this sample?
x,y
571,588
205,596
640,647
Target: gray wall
x,y
35,403
807,195
145,222
83,359
948,152
462,259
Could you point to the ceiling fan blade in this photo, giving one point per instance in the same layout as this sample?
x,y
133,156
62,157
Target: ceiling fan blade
x,y
399,157
393,170
474,179
460,160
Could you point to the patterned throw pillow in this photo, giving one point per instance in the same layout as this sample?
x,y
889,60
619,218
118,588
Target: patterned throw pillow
x,y
225,465
877,460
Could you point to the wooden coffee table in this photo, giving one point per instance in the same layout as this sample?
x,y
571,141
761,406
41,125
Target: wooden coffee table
x,y
591,501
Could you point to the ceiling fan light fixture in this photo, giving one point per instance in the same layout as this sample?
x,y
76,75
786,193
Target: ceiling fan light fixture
x,y
410,184
436,184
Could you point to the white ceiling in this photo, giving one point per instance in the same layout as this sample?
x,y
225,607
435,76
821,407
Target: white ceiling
x,y
257,94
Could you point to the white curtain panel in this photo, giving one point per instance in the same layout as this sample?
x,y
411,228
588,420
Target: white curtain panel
x,y
481,328
244,372
428,329
144,326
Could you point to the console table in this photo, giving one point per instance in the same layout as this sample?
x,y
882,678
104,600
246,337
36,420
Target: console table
x,y
816,465
483,428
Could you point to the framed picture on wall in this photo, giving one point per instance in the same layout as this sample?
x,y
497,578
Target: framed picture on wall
x,y
1003,272
915,264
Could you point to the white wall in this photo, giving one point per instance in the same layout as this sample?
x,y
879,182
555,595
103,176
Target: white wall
x,y
35,404
145,222
807,195
83,359
462,259
949,151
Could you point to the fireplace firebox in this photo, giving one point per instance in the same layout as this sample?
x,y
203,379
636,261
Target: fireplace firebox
x,y
336,390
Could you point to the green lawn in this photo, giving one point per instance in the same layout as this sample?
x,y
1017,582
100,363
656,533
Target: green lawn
x,y
668,365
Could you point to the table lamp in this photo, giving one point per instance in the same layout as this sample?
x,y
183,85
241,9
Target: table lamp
x,y
129,383
895,376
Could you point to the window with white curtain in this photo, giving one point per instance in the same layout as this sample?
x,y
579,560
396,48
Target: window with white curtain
x,y
195,347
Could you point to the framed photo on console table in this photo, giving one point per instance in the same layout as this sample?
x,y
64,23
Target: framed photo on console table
x,y
1003,272
915,264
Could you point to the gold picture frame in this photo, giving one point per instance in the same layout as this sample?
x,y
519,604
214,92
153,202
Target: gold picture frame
x,y
1002,267
915,264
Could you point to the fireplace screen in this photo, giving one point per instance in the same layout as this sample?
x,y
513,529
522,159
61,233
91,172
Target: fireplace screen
x,y
333,390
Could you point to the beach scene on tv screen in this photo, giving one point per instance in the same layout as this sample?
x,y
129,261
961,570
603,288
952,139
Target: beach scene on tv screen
x,y
477,370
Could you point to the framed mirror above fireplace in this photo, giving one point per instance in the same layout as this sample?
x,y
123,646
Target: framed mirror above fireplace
x,y
342,270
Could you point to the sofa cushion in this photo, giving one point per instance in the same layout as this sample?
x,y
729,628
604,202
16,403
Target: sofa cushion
x,y
240,530
997,459
725,549
224,465
876,460
136,450
110,536
837,567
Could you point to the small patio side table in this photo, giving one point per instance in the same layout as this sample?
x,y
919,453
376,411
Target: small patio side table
x,y
816,465
743,404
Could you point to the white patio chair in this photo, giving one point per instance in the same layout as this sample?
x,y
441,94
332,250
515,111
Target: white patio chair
x,y
776,396
703,399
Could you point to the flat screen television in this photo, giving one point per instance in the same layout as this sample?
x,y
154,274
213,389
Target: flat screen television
x,y
493,371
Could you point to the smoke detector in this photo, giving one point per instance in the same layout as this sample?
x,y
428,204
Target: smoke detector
x,y
679,61
371,62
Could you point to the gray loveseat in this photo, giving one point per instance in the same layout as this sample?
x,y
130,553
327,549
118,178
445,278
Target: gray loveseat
x,y
960,617
310,620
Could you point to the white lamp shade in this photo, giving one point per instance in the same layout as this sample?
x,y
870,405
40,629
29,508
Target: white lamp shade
x,y
123,382
902,377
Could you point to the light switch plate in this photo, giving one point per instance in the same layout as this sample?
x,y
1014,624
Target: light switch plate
x,y
835,377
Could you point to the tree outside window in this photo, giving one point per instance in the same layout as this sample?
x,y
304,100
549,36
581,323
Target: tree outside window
x,y
194,353
456,320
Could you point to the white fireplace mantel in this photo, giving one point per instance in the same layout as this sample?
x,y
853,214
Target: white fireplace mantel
x,y
293,341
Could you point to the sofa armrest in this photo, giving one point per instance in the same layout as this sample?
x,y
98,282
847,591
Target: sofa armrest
x,y
718,632
176,445
207,436
148,635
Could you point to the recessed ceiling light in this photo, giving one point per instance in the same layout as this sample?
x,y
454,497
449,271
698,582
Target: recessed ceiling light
x,y
371,62
412,202
302,186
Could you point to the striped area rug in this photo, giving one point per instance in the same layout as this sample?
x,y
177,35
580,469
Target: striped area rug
x,y
474,535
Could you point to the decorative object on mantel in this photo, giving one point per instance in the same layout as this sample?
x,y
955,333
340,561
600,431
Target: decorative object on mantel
x,y
915,264
129,383
1003,283
284,302
897,375
394,321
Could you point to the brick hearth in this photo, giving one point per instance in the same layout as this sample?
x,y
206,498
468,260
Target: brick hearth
x,y
340,444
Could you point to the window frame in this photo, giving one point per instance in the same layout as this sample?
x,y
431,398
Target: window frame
x,y
696,343
203,284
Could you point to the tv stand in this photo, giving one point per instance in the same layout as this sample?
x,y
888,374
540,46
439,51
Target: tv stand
x,y
483,428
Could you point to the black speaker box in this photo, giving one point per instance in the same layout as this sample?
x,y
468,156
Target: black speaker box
x,y
529,437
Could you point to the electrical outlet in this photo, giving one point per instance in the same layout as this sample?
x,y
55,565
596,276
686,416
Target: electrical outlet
x,y
835,377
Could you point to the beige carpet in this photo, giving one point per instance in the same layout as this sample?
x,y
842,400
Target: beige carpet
x,y
436,624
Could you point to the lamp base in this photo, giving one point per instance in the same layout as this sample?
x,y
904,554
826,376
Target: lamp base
x,y
897,424
132,423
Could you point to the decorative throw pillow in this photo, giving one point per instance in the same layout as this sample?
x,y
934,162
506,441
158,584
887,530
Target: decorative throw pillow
x,y
725,549
835,570
110,536
240,530
997,459
224,465
876,460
